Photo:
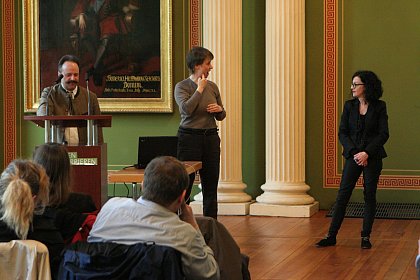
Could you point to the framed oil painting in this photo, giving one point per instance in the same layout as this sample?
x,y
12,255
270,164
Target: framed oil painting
x,y
124,47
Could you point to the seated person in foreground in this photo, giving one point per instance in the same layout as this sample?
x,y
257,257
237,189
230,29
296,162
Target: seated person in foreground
x,y
153,218
23,197
62,203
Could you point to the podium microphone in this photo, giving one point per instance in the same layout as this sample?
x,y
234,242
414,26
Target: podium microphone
x,y
59,78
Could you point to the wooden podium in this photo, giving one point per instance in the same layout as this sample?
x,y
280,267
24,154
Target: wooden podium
x,y
89,163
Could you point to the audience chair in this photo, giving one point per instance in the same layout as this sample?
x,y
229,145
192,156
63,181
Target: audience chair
x,y
107,260
24,259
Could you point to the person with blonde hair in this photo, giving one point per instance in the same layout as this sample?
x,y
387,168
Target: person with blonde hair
x,y
23,198
23,192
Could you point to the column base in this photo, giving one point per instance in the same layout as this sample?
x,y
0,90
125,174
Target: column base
x,y
297,211
237,208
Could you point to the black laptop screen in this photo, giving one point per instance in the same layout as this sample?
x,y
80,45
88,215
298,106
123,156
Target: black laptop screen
x,y
154,146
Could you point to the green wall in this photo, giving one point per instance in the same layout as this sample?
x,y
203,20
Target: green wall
x,y
379,35
314,102
253,99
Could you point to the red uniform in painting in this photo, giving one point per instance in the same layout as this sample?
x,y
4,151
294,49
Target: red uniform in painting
x,y
110,15
96,22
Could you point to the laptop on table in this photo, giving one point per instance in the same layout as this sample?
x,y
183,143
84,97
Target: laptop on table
x,y
155,146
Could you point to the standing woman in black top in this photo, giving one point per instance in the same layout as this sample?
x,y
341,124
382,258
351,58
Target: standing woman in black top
x,y
200,105
363,132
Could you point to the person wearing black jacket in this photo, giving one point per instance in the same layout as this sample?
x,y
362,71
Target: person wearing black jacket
x,y
363,132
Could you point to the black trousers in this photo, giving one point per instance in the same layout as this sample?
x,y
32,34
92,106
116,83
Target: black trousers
x,y
351,174
198,146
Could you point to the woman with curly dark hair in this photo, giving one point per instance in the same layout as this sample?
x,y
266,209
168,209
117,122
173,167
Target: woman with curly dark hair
x,y
363,132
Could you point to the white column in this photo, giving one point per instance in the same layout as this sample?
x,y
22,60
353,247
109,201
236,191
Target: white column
x,y
222,35
285,188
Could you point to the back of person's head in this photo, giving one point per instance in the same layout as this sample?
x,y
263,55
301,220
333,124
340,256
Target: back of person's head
x,y
23,193
165,178
196,56
373,85
55,159
67,57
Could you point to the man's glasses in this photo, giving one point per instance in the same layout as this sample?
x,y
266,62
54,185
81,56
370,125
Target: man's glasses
x,y
353,85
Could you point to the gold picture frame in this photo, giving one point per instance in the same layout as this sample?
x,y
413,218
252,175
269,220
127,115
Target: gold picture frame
x,y
160,102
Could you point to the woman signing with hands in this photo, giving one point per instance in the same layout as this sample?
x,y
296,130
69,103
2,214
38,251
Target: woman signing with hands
x,y
200,106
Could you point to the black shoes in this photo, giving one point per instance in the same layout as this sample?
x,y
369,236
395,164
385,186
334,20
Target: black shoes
x,y
331,241
365,243
327,241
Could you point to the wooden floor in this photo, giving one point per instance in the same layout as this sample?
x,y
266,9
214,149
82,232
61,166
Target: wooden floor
x,y
283,248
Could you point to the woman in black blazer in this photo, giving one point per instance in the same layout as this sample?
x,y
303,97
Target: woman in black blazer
x,y
363,132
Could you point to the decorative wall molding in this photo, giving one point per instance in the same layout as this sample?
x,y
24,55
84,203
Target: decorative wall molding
x,y
195,23
9,81
332,156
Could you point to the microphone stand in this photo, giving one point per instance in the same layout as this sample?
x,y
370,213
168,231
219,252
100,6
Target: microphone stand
x,y
47,126
91,135
88,92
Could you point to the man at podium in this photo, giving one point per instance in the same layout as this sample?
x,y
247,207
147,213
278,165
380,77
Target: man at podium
x,y
66,97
